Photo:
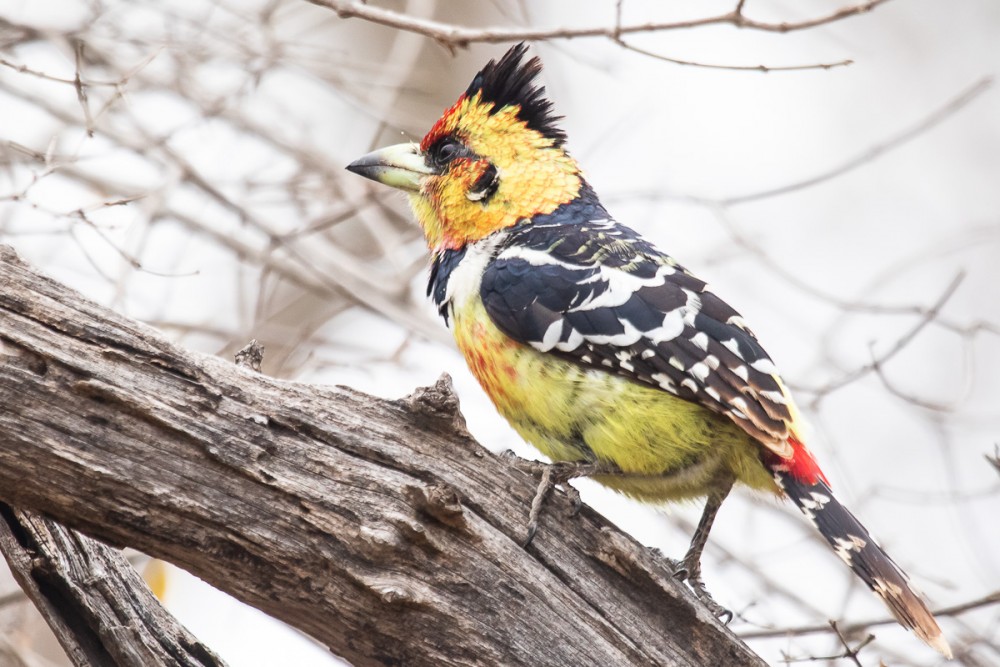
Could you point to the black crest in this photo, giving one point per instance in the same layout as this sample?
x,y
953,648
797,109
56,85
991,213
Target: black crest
x,y
510,82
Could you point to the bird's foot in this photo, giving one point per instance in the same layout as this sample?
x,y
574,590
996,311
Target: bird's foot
x,y
575,501
675,566
558,474
691,573
716,609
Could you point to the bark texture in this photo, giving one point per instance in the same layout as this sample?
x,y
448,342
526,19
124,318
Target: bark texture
x,y
97,605
381,528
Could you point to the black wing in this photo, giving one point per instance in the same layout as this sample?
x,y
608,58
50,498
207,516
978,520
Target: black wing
x,y
600,295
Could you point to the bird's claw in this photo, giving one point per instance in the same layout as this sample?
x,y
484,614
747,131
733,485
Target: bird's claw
x,y
716,609
691,573
532,529
576,502
552,475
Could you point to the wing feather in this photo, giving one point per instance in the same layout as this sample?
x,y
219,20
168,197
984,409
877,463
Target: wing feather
x,y
637,313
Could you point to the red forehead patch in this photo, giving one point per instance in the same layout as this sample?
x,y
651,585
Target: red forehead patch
x,y
439,130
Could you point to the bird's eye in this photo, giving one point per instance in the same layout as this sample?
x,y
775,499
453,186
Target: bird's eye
x,y
446,150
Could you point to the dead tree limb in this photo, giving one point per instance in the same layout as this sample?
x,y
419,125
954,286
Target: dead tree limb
x,y
97,605
381,528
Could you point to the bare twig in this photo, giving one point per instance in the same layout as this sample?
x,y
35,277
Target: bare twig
x,y
131,260
81,90
909,397
616,37
949,109
902,342
455,36
871,153
24,69
848,630
848,653
742,68
994,460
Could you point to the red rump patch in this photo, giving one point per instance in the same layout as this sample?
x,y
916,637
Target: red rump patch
x,y
802,466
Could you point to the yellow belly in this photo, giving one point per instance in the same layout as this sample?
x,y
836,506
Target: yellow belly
x,y
572,413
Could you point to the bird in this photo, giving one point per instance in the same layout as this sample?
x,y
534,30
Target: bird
x,y
602,351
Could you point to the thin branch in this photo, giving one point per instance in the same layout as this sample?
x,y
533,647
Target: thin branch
x,y
848,652
955,610
994,460
24,69
851,653
351,278
936,117
455,36
901,343
81,90
741,68
933,406
933,119
131,260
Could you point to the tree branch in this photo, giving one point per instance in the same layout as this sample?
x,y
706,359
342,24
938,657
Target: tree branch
x,y
945,112
455,36
880,361
854,628
97,605
740,68
381,528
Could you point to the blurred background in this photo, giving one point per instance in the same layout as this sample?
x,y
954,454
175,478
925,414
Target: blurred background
x,y
182,161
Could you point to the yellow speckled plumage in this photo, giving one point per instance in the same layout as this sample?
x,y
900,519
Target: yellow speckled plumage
x,y
552,403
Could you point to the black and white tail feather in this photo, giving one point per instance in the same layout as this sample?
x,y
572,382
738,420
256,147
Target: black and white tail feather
x,y
856,547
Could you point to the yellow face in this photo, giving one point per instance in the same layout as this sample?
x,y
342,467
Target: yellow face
x,y
491,170
477,171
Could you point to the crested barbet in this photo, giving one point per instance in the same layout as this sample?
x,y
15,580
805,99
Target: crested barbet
x,y
597,347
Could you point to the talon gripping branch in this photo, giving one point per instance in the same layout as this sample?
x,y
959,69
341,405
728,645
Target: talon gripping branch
x,y
595,345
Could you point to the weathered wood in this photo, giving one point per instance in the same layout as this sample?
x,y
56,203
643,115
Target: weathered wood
x,y
98,606
381,528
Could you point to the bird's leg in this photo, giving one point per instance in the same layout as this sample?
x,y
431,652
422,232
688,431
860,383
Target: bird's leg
x,y
556,474
690,567
545,486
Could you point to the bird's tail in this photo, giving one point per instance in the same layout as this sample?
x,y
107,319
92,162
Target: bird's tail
x,y
851,541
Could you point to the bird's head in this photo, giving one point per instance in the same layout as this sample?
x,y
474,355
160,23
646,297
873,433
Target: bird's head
x,y
494,158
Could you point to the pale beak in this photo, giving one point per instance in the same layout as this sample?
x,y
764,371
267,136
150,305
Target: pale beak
x,y
400,166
